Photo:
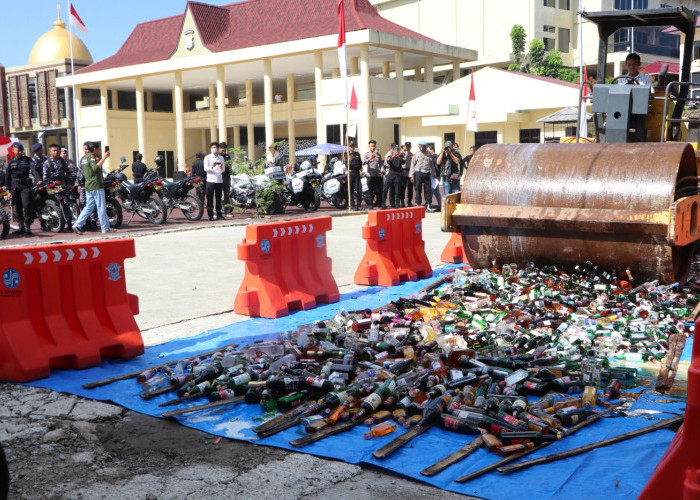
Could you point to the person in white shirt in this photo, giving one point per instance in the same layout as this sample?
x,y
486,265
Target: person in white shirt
x,y
633,63
214,167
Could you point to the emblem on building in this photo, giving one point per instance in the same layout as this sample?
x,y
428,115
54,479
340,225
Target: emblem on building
x,y
189,39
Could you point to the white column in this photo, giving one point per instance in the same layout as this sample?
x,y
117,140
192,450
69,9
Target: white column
x,y
104,102
455,71
267,89
385,69
398,67
291,132
318,81
354,68
212,113
249,118
417,74
428,75
140,118
365,99
77,153
221,102
179,121
236,136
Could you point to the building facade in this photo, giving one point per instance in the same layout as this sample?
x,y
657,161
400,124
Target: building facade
x,y
251,74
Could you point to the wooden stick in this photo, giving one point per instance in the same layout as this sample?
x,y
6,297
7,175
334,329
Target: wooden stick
x,y
328,431
126,376
158,392
669,365
583,449
282,418
191,409
290,422
455,457
516,456
181,399
398,442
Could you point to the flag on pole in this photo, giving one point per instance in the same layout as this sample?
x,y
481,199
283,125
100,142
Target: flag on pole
x,y
353,114
342,56
583,125
471,108
76,21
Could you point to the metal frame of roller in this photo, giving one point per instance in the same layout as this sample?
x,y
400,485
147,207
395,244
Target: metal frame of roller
x,y
627,206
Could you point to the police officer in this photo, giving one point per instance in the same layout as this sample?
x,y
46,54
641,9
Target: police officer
x,y
226,178
392,179
355,175
38,156
56,170
138,168
21,174
420,174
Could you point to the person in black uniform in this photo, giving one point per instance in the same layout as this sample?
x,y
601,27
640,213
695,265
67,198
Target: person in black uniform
x,y
56,169
226,178
198,171
38,156
138,168
392,179
355,175
21,174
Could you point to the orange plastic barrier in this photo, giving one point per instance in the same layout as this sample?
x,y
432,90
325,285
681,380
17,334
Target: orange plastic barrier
x,y
286,267
454,251
65,306
395,249
678,473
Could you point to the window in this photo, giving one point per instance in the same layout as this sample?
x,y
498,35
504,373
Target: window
x,y
564,40
126,100
549,43
169,164
631,4
481,138
449,136
333,134
530,135
548,29
162,102
90,97
549,3
565,4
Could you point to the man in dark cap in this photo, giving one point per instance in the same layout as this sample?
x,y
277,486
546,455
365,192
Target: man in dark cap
x,y
406,187
355,176
138,168
22,172
226,178
198,171
38,155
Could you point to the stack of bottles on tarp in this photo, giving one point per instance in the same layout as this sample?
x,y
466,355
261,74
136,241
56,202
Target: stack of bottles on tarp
x,y
517,355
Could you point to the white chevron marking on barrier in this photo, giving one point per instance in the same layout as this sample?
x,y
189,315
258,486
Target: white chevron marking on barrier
x,y
70,253
274,233
95,252
42,257
83,253
56,256
30,258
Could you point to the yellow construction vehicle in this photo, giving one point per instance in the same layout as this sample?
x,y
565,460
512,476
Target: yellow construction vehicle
x,y
627,205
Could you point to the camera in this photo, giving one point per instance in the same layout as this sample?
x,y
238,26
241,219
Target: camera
x,y
106,149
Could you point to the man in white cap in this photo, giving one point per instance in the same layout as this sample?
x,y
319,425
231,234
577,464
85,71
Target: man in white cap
x,y
420,173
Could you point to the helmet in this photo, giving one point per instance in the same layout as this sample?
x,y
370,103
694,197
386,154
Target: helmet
x,y
158,160
305,165
339,167
120,177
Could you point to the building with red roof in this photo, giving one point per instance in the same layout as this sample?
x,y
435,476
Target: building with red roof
x,y
253,73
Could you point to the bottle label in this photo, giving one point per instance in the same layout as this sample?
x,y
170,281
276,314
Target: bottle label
x,y
374,400
241,379
315,382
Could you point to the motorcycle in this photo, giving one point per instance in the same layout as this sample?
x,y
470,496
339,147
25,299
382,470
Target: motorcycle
x,y
140,199
176,194
301,189
257,192
335,186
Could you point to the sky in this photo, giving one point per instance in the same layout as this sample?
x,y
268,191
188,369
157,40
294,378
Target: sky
x,y
109,23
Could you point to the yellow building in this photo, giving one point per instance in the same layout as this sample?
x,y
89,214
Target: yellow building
x,y
212,73
37,110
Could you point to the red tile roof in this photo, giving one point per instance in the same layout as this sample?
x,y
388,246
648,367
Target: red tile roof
x,y
248,24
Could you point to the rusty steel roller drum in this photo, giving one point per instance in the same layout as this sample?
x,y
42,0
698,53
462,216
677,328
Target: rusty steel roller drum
x,y
564,204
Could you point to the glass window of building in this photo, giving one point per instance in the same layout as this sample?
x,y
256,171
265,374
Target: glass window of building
x,y
564,40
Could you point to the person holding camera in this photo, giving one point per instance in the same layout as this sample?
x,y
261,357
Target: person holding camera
x,y
449,161
91,168
392,179
214,167
372,161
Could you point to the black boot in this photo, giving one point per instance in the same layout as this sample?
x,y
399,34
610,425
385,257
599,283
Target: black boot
x,y
27,230
20,229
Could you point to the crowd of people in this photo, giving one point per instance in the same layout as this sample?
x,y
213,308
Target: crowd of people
x,y
84,182
402,178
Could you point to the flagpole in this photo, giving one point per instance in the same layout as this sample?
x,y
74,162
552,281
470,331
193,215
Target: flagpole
x,y
76,139
581,108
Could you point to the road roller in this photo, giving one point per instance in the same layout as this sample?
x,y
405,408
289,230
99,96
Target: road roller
x,y
628,202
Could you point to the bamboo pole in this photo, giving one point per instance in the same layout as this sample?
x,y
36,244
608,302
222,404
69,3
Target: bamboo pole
x,y
192,409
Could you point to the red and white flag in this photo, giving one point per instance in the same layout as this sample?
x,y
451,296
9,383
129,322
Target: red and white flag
x,y
353,115
471,108
342,56
76,21
583,125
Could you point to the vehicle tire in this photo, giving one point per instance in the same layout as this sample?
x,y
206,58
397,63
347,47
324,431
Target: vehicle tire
x,y
278,204
5,221
316,202
114,212
195,207
159,213
339,201
51,217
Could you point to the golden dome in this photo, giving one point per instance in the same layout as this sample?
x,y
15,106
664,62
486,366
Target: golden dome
x,y
55,44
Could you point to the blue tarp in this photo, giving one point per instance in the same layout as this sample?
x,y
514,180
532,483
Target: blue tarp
x,y
617,471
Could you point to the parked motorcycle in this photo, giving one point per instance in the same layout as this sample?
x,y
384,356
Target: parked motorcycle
x,y
176,194
140,199
257,192
301,189
335,186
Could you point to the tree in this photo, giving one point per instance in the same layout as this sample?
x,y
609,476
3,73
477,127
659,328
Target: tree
x,y
551,65
517,37
536,55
